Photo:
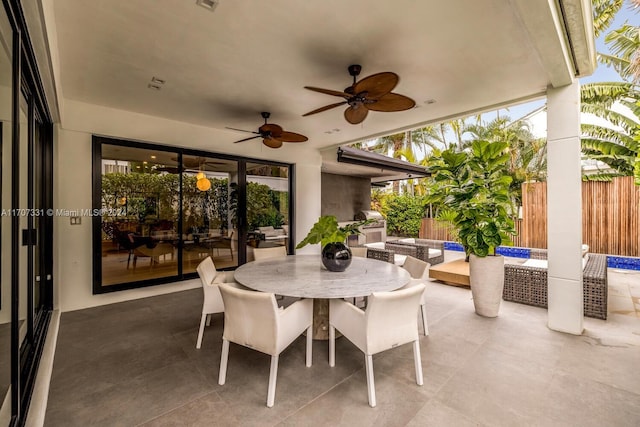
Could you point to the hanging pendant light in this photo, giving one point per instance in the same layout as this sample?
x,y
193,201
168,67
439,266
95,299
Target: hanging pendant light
x,y
203,184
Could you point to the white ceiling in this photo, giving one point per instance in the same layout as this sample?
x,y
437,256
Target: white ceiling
x,y
223,67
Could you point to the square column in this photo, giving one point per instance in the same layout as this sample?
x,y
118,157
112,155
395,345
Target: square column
x,y
564,210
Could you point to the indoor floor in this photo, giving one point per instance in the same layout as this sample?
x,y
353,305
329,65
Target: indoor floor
x,y
135,363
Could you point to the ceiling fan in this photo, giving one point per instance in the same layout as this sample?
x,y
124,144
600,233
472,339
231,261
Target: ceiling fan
x,y
272,135
371,93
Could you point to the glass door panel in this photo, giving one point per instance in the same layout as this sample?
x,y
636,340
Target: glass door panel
x,y
268,201
6,42
209,199
140,212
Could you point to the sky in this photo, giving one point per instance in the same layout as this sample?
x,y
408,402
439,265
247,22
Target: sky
x,y
602,73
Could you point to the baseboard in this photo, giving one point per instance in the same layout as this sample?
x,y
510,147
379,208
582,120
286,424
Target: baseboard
x,y
38,405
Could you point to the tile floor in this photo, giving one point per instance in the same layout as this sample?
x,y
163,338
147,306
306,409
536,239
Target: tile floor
x,y
135,363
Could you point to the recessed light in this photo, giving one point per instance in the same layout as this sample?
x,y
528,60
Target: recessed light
x,y
157,80
430,101
153,157
153,86
144,163
208,4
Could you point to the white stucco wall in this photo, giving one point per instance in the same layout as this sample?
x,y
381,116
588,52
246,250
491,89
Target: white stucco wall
x,y
72,189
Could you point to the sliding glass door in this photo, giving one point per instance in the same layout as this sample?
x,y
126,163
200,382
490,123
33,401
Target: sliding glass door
x,y
164,209
26,263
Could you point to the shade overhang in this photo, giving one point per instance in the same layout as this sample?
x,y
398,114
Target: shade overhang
x,y
378,161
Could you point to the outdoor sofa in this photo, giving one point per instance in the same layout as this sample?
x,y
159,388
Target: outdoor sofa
x,y
431,251
527,284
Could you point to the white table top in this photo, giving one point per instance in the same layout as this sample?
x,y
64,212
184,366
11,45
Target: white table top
x,y
304,276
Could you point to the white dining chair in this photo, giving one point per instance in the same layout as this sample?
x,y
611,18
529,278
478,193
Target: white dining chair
x,y
212,303
388,322
253,319
266,253
419,271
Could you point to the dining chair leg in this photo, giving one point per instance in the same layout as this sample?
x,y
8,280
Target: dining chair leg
x,y
332,346
222,376
203,321
273,375
208,320
417,361
309,345
423,311
371,387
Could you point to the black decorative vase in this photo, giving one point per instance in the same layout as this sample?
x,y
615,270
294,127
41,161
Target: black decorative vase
x,y
336,256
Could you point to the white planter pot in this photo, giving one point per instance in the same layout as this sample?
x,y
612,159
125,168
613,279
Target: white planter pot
x,y
486,276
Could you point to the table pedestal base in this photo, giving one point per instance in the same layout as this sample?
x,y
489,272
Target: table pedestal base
x,y
320,319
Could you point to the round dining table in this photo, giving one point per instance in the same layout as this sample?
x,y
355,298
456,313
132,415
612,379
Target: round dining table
x,y
304,276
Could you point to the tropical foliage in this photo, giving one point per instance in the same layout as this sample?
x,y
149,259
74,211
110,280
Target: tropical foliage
x,y
404,214
616,142
151,197
326,230
477,203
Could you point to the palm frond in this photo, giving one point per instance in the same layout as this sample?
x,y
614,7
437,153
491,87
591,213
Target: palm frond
x,y
606,147
605,93
608,134
627,123
600,176
604,12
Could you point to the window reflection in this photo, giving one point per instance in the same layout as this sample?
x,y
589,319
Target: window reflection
x,y
5,225
267,206
140,202
209,217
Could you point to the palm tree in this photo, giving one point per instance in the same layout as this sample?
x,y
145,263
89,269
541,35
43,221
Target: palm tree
x,y
618,146
604,11
624,44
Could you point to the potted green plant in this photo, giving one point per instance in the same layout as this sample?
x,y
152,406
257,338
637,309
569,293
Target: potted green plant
x,y
477,205
336,256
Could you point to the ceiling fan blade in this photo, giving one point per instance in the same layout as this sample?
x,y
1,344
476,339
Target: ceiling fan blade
x,y
168,169
392,102
356,115
247,139
377,85
329,92
272,142
271,129
241,130
292,137
325,108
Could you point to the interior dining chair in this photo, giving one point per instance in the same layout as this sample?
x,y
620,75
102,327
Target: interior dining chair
x,y
224,243
253,319
266,253
212,304
389,321
419,271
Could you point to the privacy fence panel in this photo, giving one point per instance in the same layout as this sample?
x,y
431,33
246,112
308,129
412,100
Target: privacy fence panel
x,y
610,218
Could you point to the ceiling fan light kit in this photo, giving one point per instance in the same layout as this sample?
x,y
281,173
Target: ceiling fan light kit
x,y
371,93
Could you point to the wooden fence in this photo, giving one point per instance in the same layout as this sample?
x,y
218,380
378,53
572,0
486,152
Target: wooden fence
x,y
610,218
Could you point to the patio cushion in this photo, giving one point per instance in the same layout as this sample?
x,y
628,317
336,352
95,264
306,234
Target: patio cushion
x,y
375,245
538,263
